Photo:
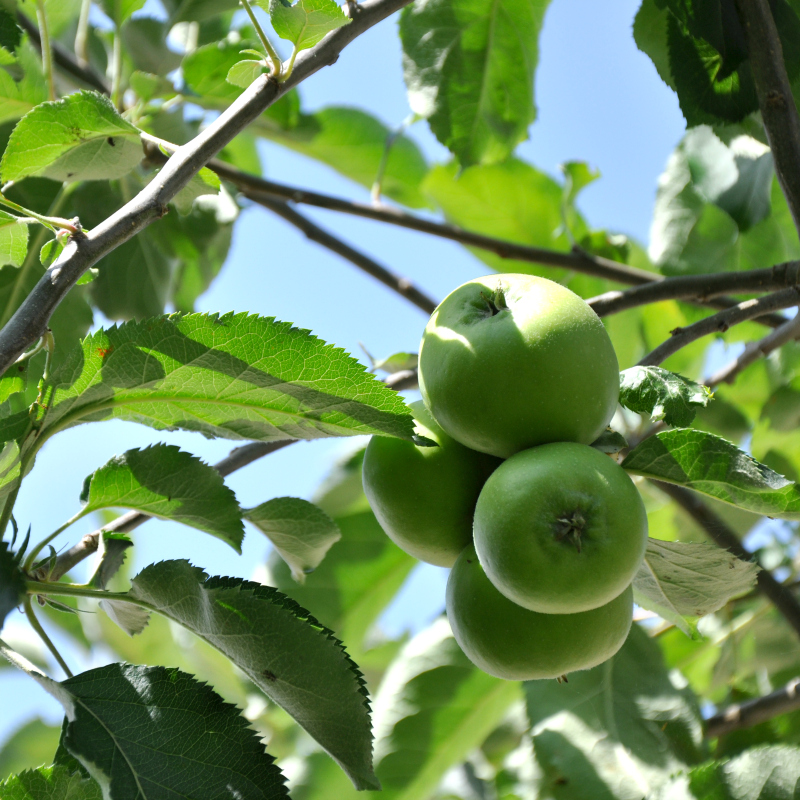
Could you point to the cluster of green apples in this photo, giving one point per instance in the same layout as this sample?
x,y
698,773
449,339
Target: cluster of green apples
x,y
543,532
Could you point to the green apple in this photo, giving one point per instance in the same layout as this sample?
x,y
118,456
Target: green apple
x,y
511,361
424,497
560,528
511,642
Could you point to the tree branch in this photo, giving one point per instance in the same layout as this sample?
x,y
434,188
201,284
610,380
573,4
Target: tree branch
x,y
698,287
30,320
402,286
780,595
778,110
745,715
755,350
717,323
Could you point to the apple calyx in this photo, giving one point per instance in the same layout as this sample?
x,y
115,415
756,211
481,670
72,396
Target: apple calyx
x,y
496,301
570,528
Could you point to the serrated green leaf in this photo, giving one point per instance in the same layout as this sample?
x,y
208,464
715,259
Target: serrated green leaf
x,y
13,239
712,465
306,22
32,743
50,783
238,376
244,73
166,482
301,532
433,694
662,394
17,99
127,726
110,557
81,137
617,730
469,67
14,380
680,580
10,32
12,582
293,659
760,773
650,35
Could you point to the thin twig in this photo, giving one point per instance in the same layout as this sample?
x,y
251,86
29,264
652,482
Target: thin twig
x,y
37,626
718,323
84,251
778,110
755,350
782,598
745,715
401,285
698,287
236,459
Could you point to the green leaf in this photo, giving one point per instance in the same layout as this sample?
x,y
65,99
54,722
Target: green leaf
x,y
761,773
397,362
469,67
164,481
293,659
662,394
712,465
33,743
679,580
111,552
81,137
238,376
50,252
18,98
12,582
50,783
13,239
615,731
9,461
244,73
14,379
127,726
205,182
511,201
119,10
650,35
306,22
610,442
353,142
434,707
145,41
301,532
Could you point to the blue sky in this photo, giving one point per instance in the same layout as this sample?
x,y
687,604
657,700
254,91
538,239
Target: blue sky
x,y
600,100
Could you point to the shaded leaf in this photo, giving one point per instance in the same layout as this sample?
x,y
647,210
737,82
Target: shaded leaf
x,y
679,580
306,22
131,618
50,252
610,442
119,10
205,182
13,239
301,532
81,137
469,67
243,73
662,394
712,465
433,708
650,35
145,41
293,659
50,783
110,557
617,730
762,773
166,482
12,582
127,726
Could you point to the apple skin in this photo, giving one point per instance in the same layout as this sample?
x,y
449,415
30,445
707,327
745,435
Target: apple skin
x,y
512,361
560,528
424,497
510,642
